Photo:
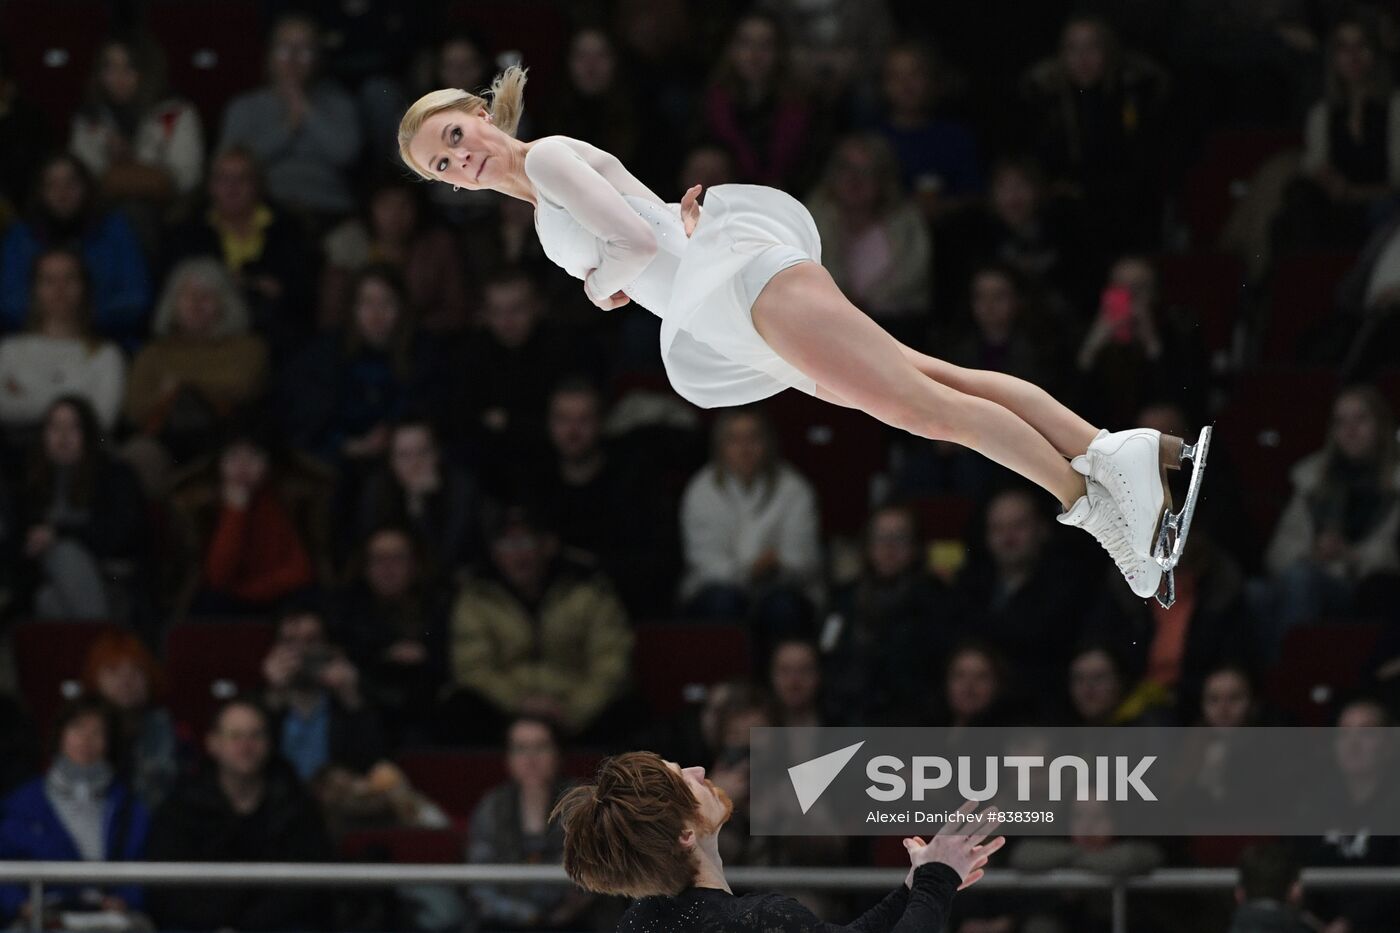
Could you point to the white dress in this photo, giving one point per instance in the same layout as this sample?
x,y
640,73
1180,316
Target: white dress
x,y
600,224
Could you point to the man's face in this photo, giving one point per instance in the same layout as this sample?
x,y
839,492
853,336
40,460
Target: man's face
x,y
715,807
1015,533
574,424
239,743
511,313
302,631
522,555
892,548
233,186
796,675
1359,741
389,564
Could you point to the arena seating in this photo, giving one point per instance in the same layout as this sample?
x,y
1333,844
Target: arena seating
x,y
1210,284
49,662
210,661
707,653
839,450
404,846
456,779
53,60
1302,299
207,50
1221,175
1317,665
1274,418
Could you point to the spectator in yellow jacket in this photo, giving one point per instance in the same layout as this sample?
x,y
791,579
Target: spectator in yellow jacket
x,y
539,632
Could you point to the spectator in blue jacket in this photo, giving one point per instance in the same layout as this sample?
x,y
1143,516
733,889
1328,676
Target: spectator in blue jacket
x,y
65,214
346,391
79,810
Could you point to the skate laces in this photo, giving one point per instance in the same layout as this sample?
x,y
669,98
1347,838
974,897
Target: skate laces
x,y
1111,537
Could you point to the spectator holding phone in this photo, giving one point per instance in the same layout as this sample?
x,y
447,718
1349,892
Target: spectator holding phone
x,y
1138,350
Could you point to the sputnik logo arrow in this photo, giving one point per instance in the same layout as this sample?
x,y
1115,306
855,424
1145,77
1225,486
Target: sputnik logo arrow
x,y
811,778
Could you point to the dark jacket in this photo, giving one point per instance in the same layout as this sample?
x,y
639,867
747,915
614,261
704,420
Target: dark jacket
x,y
893,635
1265,916
197,824
331,394
1035,626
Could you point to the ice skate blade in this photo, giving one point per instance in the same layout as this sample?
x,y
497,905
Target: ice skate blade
x,y
1169,586
1176,526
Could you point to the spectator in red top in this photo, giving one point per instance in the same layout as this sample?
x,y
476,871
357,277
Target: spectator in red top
x,y
254,523
751,107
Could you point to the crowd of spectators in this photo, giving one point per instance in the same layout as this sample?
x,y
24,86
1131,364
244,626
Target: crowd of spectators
x,y
250,369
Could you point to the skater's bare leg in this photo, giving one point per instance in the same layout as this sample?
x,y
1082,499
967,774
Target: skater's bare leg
x,y
1066,431
855,360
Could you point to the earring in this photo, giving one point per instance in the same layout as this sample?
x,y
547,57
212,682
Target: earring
x,y
456,187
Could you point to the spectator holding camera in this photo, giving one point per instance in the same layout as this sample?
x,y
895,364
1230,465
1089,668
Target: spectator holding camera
x,y
313,691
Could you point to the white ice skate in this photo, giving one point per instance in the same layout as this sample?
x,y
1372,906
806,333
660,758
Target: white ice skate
x,y
1132,466
1097,513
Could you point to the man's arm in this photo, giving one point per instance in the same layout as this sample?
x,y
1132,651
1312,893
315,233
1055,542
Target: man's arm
x,y
923,907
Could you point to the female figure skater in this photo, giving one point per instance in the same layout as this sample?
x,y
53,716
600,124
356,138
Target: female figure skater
x,y
646,828
748,310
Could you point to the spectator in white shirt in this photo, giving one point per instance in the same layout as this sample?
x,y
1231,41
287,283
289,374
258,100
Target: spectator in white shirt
x,y
59,355
750,531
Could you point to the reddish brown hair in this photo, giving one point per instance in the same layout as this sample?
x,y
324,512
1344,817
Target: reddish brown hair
x,y
116,647
622,832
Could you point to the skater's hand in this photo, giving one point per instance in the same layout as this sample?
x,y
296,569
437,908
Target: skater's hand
x,y
690,209
616,300
966,853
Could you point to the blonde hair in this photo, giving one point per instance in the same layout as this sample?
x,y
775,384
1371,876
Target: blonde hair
x,y
210,273
506,106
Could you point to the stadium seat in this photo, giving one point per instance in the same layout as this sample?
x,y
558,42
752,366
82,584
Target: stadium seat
x,y
945,517
1221,174
1317,665
889,852
1209,284
212,51
404,846
1219,851
535,28
208,662
456,779
1302,298
1273,419
49,660
707,653
1389,384
50,49
839,450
